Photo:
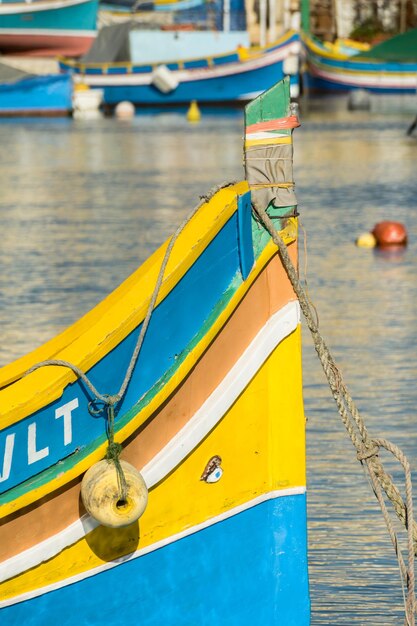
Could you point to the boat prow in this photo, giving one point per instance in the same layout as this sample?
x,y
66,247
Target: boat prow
x,y
211,416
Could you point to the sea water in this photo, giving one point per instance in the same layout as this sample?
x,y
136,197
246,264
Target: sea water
x,y
83,203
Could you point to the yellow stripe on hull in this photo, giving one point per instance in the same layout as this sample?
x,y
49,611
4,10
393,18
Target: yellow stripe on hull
x,y
261,443
249,143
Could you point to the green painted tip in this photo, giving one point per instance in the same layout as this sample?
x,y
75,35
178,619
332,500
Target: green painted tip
x,y
270,105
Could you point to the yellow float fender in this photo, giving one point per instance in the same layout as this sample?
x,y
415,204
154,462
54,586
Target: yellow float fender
x,y
100,493
366,240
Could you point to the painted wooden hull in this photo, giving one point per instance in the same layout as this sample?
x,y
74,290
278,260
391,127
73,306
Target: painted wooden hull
x,y
327,70
37,95
233,77
219,374
48,27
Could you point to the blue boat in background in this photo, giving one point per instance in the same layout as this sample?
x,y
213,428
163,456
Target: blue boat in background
x,y
47,27
27,95
237,76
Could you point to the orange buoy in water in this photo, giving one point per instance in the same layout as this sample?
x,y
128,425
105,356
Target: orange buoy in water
x,y
390,234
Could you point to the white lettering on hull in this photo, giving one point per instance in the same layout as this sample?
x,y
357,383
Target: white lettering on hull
x,y
33,453
66,412
8,455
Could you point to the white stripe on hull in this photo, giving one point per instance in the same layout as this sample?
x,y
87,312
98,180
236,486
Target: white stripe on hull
x,y
265,135
277,328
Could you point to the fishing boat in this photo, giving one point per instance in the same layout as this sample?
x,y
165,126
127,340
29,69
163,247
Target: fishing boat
x,y
47,27
153,455
23,94
389,67
237,76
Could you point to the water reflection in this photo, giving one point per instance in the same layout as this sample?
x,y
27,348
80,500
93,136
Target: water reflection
x,y
391,253
81,205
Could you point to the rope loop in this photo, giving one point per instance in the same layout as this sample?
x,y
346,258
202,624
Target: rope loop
x,y
96,407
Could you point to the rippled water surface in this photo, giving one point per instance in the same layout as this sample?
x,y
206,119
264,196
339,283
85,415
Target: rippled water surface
x,y
83,203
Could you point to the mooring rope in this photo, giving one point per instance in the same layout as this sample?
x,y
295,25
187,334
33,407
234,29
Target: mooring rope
x,y
367,448
108,401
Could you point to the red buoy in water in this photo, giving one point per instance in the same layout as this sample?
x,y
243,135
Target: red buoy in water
x,y
390,234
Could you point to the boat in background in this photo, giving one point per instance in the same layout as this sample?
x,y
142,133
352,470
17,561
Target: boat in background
x,y
189,373
47,27
388,67
237,76
23,94
126,42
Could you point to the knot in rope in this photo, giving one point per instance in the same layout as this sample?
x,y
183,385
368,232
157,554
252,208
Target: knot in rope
x,y
113,400
114,451
368,451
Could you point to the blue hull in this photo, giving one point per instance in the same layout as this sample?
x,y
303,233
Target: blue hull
x,y
38,95
222,89
247,570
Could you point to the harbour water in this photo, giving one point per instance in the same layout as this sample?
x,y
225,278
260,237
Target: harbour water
x,y
83,203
